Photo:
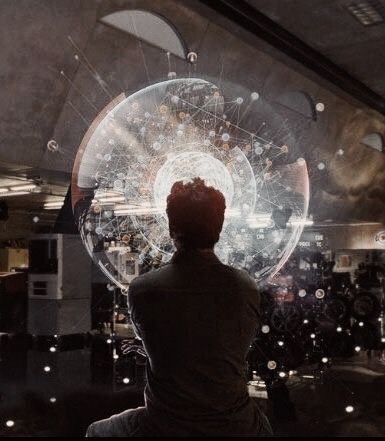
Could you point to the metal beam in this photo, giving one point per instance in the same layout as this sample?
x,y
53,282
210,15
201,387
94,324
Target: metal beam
x,y
252,20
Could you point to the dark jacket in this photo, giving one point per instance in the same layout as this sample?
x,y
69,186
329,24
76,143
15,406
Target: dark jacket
x,y
197,318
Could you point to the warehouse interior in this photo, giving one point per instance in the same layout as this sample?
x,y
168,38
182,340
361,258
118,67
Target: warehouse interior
x,y
305,77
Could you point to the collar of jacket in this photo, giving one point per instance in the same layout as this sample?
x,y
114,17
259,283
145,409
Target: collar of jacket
x,y
195,256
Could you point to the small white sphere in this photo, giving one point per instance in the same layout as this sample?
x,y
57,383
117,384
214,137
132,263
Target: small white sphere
x,y
271,364
320,107
108,341
339,329
126,380
324,359
357,348
35,219
254,96
52,399
47,369
280,343
10,423
306,321
361,324
312,336
239,100
321,166
265,329
52,349
225,137
301,293
282,374
349,409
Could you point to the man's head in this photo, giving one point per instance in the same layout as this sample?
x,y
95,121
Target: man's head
x,y
195,213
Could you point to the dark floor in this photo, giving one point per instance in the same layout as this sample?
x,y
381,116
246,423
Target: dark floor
x,y
65,400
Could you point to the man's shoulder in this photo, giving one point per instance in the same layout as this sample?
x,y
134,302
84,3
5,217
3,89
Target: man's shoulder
x,y
242,277
147,280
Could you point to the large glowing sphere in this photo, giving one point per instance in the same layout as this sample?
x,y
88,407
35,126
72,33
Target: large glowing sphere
x,y
176,130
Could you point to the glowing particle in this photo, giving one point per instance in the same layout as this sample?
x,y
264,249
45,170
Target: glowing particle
x,y
52,349
225,137
280,343
324,360
349,409
35,219
254,96
116,356
320,293
10,423
282,374
52,145
312,336
320,107
306,321
340,152
239,100
357,348
302,293
271,364
339,329
361,324
47,369
321,166
52,399
126,380
108,341
265,329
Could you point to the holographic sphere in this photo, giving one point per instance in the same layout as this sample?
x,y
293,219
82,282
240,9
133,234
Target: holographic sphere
x,y
177,130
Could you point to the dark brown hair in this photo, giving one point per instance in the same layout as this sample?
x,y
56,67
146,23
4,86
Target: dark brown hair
x,y
195,213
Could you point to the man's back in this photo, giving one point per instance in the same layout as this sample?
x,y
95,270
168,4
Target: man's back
x,y
197,318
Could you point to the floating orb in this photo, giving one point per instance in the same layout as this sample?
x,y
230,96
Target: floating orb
x,y
254,96
52,400
302,293
324,359
312,336
258,149
282,374
357,348
108,341
10,423
265,329
225,137
271,365
192,57
47,369
349,409
320,107
321,166
280,343
171,75
239,100
340,152
320,294
52,349
361,324
306,321
52,145
339,329
35,219
126,380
